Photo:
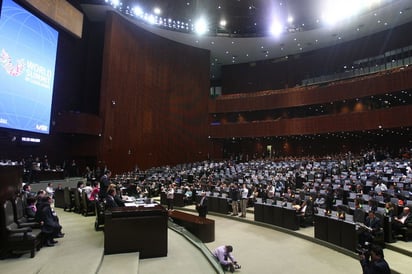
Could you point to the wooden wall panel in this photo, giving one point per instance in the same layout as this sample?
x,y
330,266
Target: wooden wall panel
x,y
371,120
351,89
153,99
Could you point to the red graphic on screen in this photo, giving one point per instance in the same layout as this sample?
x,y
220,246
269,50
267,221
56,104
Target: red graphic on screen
x,y
7,64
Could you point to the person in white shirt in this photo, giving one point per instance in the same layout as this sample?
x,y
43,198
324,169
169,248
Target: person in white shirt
x,y
50,189
270,191
224,255
88,190
244,198
170,195
380,187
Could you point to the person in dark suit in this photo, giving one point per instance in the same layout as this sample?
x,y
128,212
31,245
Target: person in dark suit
x,y
104,184
374,262
110,200
50,226
372,227
201,207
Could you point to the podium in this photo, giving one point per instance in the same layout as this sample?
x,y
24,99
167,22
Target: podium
x,y
140,229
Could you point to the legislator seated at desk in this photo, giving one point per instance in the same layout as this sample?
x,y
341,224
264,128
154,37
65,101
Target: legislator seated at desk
x,y
141,228
371,230
402,225
112,200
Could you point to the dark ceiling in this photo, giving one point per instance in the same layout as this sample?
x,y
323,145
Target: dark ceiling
x,y
245,38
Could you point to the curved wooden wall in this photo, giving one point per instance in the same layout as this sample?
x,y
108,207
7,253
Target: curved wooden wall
x,y
153,100
358,121
350,89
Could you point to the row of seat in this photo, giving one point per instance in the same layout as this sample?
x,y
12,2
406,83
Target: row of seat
x,y
71,200
18,233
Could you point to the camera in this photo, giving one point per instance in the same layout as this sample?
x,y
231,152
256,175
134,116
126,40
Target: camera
x,y
364,250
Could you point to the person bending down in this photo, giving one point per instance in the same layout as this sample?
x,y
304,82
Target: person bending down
x,y
224,255
373,261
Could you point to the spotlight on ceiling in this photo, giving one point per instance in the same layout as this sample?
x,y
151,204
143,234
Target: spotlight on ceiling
x,y
114,3
276,29
138,11
201,26
157,11
222,23
339,10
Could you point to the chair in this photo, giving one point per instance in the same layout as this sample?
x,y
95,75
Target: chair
x,y
20,218
380,235
15,239
77,203
59,200
359,215
87,205
68,202
406,232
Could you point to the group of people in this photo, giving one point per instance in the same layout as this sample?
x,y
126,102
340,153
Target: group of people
x,y
38,207
201,206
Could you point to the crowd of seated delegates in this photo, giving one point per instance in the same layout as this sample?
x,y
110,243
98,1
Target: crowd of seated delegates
x,y
138,186
34,165
325,193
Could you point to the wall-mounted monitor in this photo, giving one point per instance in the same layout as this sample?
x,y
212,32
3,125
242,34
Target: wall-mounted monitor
x,y
28,49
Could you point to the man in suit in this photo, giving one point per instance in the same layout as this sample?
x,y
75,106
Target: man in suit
x,y
110,200
234,194
104,184
402,221
373,226
201,207
50,226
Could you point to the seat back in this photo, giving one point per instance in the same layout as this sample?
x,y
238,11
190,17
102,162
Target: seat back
x,y
359,215
14,238
85,201
67,199
87,205
77,203
8,212
309,208
100,208
19,210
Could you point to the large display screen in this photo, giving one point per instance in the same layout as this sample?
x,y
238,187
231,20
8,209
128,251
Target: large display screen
x,y
27,62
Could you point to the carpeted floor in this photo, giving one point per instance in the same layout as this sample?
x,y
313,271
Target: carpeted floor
x,y
258,250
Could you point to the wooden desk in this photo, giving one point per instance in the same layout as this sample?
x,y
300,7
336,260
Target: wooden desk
x,y
259,212
136,229
202,228
290,218
278,216
338,232
59,198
